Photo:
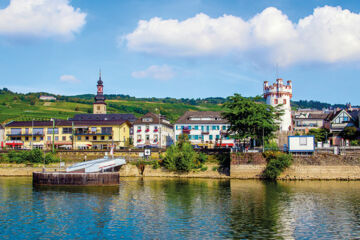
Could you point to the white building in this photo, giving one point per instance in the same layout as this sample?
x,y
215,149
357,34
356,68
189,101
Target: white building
x,y
279,94
205,129
150,130
47,98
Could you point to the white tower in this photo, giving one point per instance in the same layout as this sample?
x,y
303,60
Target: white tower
x,y
280,94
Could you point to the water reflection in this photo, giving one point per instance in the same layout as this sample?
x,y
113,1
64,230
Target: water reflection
x,y
181,209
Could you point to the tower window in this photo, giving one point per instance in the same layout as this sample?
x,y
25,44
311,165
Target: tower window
x,y
98,107
284,101
275,101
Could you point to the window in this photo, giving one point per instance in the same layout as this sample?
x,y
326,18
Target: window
x,y
87,138
66,131
26,131
275,101
214,127
106,130
177,137
224,127
155,138
196,137
93,129
64,138
176,127
189,127
196,127
303,141
39,131
79,138
98,107
110,137
15,131
41,138
94,137
50,130
26,138
56,138
49,138
207,128
102,137
210,137
217,137
147,137
284,101
34,138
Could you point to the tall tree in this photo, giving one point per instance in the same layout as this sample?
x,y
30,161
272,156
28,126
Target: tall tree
x,y
251,119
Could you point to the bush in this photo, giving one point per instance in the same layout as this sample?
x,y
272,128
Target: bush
x,y
204,168
276,163
51,158
215,169
156,164
355,143
271,146
202,157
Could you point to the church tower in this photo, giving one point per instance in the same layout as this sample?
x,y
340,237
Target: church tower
x,y
99,104
280,94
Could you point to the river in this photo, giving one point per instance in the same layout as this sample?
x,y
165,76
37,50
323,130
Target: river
x,y
165,208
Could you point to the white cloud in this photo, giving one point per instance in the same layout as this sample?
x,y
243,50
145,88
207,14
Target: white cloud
x,y
328,35
163,73
41,18
69,79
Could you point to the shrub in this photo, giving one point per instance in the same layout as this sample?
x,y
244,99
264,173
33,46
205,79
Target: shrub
x,y
271,146
156,164
202,157
276,163
51,158
204,168
215,169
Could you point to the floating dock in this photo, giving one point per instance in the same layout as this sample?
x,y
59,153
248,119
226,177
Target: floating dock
x,y
76,179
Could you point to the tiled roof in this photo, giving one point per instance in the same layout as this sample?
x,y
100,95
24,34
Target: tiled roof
x,y
186,118
155,120
104,117
63,123
318,115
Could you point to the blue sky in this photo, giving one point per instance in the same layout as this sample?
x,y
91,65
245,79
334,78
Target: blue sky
x,y
181,48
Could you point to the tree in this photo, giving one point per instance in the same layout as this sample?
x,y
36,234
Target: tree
x,y
350,133
320,134
250,119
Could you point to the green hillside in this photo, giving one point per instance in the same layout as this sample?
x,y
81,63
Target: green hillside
x,y
14,106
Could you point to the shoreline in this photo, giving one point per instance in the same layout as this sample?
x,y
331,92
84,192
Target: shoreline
x,y
241,172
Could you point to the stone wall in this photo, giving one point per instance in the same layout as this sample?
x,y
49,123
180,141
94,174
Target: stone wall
x,y
321,166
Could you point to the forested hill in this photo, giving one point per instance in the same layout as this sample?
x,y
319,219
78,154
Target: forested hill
x,y
16,106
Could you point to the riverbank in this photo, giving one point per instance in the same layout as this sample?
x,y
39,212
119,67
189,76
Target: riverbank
x,y
294,172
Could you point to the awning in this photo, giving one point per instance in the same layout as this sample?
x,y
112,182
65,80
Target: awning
x,y
38,144
14,144
226,144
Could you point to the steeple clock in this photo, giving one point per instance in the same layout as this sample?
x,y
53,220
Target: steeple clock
x,y
99,104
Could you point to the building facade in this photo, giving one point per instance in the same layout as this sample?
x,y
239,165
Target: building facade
x,y
99,104
205,129
306,120
47,98
337,121
153,130
67,134
279,95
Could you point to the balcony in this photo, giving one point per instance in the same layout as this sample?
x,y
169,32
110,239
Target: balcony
x,y
205,132
186,131
24,134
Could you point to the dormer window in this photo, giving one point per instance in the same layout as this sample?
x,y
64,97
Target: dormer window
x,y
147,119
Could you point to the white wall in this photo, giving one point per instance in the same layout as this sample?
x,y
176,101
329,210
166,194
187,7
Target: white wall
x,y
301,143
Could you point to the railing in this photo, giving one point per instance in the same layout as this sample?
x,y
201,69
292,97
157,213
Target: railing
x,y
24,134
92,133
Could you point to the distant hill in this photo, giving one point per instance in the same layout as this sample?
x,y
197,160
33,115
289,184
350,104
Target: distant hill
x,y
16,106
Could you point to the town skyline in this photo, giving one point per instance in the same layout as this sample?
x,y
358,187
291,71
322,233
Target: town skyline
x,y
62,58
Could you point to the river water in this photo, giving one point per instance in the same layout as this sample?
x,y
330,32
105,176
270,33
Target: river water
x,y
154,208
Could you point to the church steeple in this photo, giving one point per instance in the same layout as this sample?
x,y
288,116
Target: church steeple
x,y
99,104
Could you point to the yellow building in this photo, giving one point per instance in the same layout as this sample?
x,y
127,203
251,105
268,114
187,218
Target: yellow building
x,y
66,134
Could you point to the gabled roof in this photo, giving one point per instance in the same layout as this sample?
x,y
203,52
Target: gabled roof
x,y
354,115
104,117
154,119
215,118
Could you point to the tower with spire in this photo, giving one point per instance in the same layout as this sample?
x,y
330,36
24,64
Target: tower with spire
x,y
99,104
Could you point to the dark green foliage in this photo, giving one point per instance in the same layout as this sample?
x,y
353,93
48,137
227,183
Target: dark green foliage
x,y
321,134
182,157
277,162
271,146
156,164
249,119
350,133
33,156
